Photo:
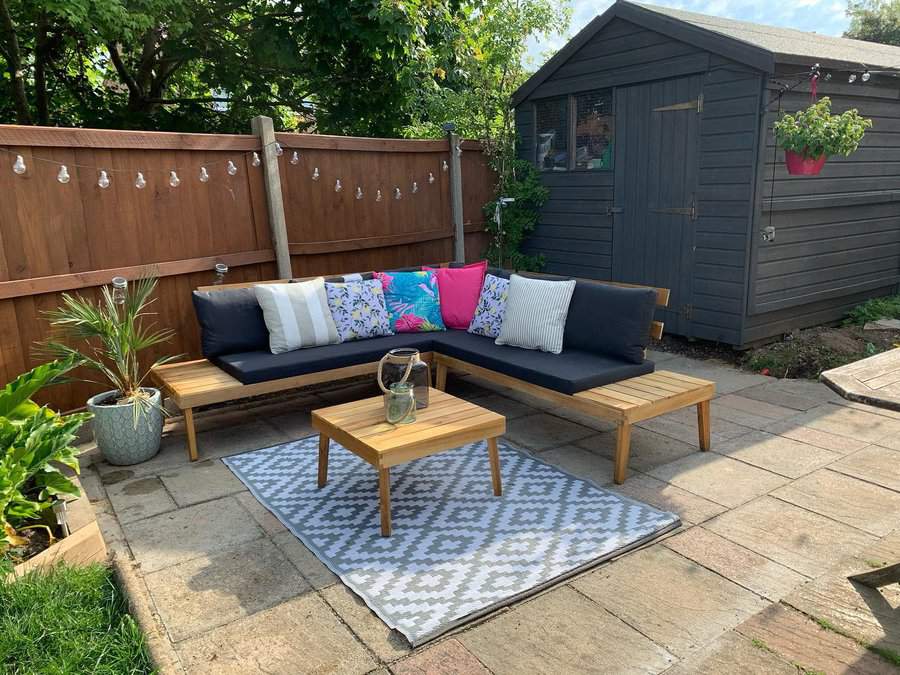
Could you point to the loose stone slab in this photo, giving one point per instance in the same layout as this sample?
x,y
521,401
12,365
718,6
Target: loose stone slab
x,y
804,541
200,481
850,422
581,463
139,498
560,632
543,431
210,591
846,499
689,507
301,635
744,567
875,464
720,479
448,657
777,454
733,653
799,639
170,538
674,601
648,448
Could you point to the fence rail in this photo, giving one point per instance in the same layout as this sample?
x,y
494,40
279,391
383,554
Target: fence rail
x,y
74,237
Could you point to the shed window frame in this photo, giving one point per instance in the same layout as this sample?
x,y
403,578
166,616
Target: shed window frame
x,y
571,119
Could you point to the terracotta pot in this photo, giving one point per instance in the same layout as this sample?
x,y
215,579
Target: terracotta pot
x,y
800,165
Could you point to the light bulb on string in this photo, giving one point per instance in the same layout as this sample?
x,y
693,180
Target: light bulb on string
x,y
459,149
231,168
279,151
255,161
295,158
204,175
120,289
337,185
445,166
397,193
139,181
103,180
852,78
415,187
378,196
63,175
19,165
430,178
315,173
359,192
866,76
174,180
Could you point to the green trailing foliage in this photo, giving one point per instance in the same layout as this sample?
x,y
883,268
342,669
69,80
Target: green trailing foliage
x,y
874,309
518,218
35,443
815,131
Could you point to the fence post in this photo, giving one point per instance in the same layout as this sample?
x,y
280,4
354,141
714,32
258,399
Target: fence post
x,y
456,203
262,126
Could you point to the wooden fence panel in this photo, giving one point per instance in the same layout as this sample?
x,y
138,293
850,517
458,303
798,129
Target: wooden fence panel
x,y
75,237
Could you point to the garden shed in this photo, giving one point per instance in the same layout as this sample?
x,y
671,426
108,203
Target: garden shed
x,y
652,129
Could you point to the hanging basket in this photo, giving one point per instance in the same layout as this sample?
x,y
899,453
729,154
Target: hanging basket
x,y
800,165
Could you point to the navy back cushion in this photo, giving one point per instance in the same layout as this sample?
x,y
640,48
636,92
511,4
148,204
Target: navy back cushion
x,y
231,321
612,320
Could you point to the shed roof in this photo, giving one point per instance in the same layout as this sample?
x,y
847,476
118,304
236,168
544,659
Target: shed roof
x,y
754,44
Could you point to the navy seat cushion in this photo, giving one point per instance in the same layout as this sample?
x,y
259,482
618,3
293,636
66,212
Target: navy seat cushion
x,y
571,371
611,320
230,321
253,366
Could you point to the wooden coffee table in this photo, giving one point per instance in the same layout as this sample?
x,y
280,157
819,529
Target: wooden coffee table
x,y
448,422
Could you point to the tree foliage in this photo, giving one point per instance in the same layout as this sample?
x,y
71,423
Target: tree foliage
x,y
875,21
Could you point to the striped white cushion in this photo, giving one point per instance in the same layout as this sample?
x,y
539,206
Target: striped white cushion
x,y
536,311
296,315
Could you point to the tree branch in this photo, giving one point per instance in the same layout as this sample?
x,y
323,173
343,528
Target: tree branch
x,y
116,58
14,64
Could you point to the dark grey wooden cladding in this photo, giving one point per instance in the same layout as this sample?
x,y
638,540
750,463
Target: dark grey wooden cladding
x,y
838,233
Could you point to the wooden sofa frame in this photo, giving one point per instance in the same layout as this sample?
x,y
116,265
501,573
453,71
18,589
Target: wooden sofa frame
x,y
200,383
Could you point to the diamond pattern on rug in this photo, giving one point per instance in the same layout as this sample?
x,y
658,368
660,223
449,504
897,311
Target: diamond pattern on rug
x,y
456,551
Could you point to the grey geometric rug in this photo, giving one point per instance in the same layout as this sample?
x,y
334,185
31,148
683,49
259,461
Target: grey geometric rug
x,y
456,551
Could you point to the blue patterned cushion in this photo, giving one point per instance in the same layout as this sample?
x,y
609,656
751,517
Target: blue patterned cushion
x,y
491,307
413,301
358,309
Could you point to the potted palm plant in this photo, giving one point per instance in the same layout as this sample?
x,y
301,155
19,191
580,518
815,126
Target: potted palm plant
x,y
812,135
128,419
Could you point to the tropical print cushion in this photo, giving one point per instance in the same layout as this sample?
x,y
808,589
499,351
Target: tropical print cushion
x,y
491,307
413,301
358,309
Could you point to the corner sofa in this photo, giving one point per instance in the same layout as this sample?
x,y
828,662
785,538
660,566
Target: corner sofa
x,y
607,330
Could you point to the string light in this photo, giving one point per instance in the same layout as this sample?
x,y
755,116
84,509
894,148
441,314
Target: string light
x,y
139,181
120,288
279,151
378,196
204,175
315,174
852,78
174,180
295,158
63,175
430,178
397,193
415,187
459,149
359,192
19,165
445,166
103,180
866,76
255,161
337,185
231,168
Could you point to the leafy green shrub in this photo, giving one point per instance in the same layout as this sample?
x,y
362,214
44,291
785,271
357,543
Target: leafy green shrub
x,y
874,309
34,440
517,218
815,131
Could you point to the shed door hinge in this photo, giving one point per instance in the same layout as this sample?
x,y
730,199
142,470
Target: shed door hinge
x,y
695,104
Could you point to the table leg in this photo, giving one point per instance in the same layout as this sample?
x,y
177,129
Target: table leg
x,y
384,491
323,460
494,456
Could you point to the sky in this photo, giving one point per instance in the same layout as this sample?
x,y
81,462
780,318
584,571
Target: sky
x,y
822,16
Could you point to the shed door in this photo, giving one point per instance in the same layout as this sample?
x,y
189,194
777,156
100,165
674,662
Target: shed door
x,y
657,127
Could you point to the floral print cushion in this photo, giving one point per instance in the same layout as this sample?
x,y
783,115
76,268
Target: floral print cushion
x,y
358,309
491,307
413,301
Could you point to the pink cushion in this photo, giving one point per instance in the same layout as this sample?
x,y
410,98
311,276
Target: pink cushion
x,y
459,289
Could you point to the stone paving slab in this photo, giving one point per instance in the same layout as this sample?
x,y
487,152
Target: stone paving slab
x,y
648,448
777,454
204,593
744,567
562,632
852,422
875,464
841,445
200,481
298,636
797,638
754,407
682,425
387,644
689,507
733,654
296,424
674,601
727,378
448,657
800,395
543,431
170,538
139,498
581,463
509,408
717,478
846,499
263,517
313,570
804,541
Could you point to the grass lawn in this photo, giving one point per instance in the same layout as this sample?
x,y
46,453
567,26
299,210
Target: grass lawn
x,y
68,620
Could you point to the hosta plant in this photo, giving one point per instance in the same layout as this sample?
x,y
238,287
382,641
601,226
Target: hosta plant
x,y
35,442
815,131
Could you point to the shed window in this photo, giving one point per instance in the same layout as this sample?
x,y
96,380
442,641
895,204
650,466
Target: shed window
x,y
594,130
552,134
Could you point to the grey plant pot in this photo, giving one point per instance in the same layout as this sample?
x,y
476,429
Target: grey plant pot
x,y
119,441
